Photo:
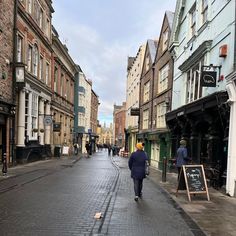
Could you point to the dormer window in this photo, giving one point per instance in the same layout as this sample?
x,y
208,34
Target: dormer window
x,y
147,63
165,40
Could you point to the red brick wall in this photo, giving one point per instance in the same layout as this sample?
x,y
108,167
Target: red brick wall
x,y
6,48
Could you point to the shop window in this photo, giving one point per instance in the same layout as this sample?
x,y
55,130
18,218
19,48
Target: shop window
x,y
34,115
26,113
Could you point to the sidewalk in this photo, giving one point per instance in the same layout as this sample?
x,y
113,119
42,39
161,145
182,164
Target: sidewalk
x,y
216,217
20,169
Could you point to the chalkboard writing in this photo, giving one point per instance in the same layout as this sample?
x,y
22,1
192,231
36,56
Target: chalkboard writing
x,y
192,178
195,178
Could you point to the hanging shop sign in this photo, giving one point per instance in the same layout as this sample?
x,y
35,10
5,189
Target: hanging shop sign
x,y
56,127
134,111
208,78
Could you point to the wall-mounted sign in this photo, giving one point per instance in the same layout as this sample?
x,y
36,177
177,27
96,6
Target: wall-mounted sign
x,y
135,112
57,127
208,78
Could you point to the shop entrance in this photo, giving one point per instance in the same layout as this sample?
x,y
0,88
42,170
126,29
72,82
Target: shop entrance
x,y
2,141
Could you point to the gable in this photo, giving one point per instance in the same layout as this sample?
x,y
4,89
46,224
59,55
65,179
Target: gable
x,y
180,5
149,56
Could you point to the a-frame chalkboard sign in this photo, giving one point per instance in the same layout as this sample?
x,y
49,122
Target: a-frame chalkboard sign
x,y
192,178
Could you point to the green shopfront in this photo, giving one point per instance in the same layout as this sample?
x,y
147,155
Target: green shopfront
x,y
157,146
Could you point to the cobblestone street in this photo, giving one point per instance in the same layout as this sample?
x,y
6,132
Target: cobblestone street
x,y
61,197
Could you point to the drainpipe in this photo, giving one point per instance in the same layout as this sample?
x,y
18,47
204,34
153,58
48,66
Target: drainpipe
x,y
152,94
12,134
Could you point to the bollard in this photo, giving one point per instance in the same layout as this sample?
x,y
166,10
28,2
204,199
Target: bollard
x,y
4,164
164,167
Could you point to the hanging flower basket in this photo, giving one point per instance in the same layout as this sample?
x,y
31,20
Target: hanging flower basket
x,y
42,130
35,130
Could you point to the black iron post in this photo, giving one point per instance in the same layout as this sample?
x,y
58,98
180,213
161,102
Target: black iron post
x,y
164,167
4,164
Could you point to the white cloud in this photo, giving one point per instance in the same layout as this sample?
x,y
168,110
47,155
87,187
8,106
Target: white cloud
x,y
100,44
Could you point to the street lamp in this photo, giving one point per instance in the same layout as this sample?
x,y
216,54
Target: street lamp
x,y
20,74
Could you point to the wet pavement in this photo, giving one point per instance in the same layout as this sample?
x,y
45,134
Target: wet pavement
x,y
61,197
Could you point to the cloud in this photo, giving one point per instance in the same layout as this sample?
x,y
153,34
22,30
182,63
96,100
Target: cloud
x,y
101,36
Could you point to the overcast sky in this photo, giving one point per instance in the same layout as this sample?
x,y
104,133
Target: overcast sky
x,y
101,34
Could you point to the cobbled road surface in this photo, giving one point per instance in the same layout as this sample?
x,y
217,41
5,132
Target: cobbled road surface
x,y
61,197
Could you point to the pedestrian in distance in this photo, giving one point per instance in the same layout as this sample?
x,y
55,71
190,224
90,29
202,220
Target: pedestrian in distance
x,y
109,150
182,156
87,147
137,163
76,146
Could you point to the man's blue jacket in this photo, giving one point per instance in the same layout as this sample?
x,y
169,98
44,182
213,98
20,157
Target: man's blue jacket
x,y
137,163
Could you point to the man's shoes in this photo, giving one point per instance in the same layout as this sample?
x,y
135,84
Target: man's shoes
x,y
136,198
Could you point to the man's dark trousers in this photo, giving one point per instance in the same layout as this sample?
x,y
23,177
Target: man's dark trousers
x,y
138,185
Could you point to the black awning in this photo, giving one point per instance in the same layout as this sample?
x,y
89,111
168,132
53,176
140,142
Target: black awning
x,y
200,105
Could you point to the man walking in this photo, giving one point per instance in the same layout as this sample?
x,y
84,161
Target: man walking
x,y
137,164
87,147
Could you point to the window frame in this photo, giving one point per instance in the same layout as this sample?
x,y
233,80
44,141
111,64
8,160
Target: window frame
x,y
145,118
146,91
204,12
29,58
193,19
161,110
35,60
193,76
163,78
165,39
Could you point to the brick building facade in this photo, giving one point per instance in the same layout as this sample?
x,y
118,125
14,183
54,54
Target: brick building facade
x,y
6,79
